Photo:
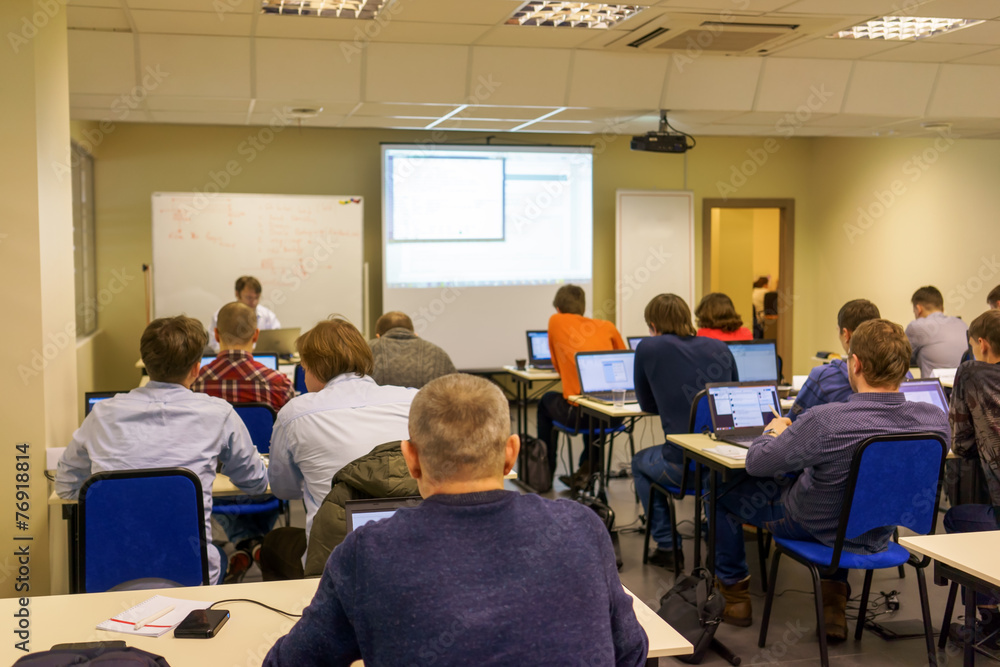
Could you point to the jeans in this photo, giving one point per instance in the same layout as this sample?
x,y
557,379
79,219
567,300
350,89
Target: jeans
x,y
242,527
758,502
973,519
663,465
554,408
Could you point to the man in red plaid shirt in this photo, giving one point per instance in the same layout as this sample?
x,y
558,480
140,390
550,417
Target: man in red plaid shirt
x,y
234,376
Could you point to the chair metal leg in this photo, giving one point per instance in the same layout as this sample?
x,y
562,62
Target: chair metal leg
x,y
895,538
611,454
649,525
769,600
824,658
762,557
949,608
969,656
925,612
674,537
863,606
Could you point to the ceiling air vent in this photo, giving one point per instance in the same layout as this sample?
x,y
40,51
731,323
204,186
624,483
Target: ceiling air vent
x,y
648,36
723,37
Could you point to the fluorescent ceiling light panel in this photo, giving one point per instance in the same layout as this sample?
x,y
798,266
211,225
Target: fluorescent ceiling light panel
x,y
903,27
572,14
335,9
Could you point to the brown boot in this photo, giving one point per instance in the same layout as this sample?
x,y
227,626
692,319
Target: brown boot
x,y
737,611
835,594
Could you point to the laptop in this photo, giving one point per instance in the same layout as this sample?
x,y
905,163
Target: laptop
x,y
927,390
360,512
602,372
756,360
268,360
633,341
92,398
741,410
276,341
539,355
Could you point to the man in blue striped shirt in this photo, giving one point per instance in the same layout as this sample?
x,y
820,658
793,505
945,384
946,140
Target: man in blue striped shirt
x,y
820,447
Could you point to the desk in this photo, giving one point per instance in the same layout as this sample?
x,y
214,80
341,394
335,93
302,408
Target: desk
x,y
245,639
523,381
695,447
969,559
604,413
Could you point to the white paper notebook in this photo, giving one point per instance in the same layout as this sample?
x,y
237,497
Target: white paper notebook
x,y
125,621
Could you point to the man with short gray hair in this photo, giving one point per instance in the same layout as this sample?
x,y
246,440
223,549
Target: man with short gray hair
x,y
475,574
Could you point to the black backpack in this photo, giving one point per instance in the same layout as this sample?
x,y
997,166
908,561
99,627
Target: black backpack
x,y
105,656
694,608
535,458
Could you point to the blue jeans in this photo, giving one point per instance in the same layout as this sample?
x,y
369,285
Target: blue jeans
x,y
242,527
756,501
663,465
973,519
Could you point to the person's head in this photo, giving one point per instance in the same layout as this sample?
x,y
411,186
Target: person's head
x,y
570,299
669,314
927,300
716,311
879,356
993,298
331,348
248,290
760,282
851,315
460,436
392,320
236,328
984,334
171,349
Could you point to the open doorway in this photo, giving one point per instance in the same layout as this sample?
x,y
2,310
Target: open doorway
x,y
744,240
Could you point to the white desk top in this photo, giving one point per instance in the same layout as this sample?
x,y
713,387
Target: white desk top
x,y
247,637
972,553
700,442
627,410
532,373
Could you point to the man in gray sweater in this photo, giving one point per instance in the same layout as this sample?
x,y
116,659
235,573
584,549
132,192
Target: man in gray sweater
x,y
404,359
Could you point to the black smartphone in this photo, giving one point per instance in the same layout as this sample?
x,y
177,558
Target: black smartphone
x,y
202,624
83,646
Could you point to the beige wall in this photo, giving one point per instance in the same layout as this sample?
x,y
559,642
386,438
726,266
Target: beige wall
x,y
766,226
734,244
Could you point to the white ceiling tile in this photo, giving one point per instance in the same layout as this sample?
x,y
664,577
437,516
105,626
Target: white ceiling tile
x,y
743,6
520,114
97,18
430,33
962,9
204,104
712,82
101,62
307,69
929,52
420,73
475,124
986,58
581,127
198,66
308,27
891,89
94,3
847,49
404,110
787,84
966,91
618,80
534,77
538,36
85,101
216,7
281,107
99,114
277,118
482,12
150,21
599,115
860,7
199,117
985,33
774,119
386,122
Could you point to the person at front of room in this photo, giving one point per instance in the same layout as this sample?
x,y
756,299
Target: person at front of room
x,y
344,415
718,319
671,367
401,357
571,332
975,428
820,447
938,341
475,574
166,425
248,291
829,383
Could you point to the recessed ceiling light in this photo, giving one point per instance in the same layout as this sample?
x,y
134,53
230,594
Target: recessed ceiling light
x,y
337,9
572,14
903,27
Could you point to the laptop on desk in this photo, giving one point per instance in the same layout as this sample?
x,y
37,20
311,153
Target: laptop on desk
x,y
539,355
633,341
601,373
360,512
741,410
756,360
927,390
277,341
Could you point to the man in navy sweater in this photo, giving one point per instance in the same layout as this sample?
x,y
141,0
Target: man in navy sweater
x,y
474,575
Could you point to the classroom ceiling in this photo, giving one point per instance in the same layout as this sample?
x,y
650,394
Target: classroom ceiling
x,y
722,67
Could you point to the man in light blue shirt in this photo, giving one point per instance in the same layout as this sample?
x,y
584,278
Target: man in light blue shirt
x,y
938,341
166,425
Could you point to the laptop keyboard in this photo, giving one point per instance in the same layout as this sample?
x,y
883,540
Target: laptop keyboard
x,y
608,396
741,440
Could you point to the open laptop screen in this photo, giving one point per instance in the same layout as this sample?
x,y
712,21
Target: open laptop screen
x,y
633,341
360,512
756,361
606,371
925,391
738,406
92,398
538,346
267,360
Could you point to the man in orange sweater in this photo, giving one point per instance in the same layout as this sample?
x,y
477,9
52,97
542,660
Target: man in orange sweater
x,y
570,332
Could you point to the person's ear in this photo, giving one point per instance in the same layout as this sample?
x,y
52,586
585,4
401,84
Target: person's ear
x,y
412,459
511,449
256,335
215,333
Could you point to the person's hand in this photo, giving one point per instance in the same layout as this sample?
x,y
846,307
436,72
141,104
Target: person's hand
x,y
777,426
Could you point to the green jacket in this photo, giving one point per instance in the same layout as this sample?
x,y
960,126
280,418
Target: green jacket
x,y
381,473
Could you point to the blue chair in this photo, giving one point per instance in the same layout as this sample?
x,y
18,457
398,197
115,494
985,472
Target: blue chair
x,y
259,420
142,524
895,480
571,431
300,380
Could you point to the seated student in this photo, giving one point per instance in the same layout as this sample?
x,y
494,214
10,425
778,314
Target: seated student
x,y
829,383
671,367
474,574
570,332
820,446
344,415
166,425
248,291
938,341
235,377
993,298
402,358
718,319
975,427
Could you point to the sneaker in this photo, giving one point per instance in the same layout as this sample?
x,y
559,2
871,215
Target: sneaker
x,y
239,562
666,558
956,632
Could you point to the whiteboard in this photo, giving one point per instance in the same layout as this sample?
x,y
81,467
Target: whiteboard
x,y
306,250
654,232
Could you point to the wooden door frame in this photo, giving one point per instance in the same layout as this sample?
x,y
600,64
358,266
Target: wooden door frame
x,y
786,263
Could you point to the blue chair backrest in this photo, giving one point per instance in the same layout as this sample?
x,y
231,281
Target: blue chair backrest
x,y
259,420
701,418
137,524
300,379
897,483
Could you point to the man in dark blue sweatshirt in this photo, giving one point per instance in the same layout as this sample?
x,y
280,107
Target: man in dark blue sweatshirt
x,y
474,575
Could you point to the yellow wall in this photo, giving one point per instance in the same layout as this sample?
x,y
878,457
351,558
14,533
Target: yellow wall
x,y
766,225
735,242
